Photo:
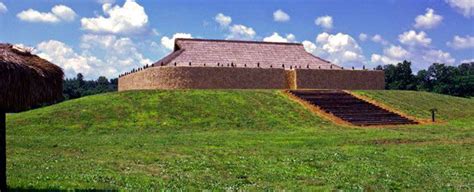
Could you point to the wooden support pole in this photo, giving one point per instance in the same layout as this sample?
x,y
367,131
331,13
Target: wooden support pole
x,y
433,112
3,152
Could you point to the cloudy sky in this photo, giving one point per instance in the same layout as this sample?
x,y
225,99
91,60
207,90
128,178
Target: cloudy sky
x,y
109,37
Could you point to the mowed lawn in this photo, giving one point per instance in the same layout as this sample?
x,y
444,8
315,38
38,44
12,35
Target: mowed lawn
x,y
236,140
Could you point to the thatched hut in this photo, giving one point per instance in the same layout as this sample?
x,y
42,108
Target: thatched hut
x,y
26,80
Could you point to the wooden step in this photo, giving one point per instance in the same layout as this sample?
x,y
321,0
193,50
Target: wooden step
x,y
350,108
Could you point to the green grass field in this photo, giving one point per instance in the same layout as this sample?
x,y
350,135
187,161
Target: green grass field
x,y
236,140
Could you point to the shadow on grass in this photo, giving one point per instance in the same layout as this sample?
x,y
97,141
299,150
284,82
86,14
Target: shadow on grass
x,y
52,189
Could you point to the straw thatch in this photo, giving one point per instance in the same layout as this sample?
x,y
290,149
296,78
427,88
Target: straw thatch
x,y
27,80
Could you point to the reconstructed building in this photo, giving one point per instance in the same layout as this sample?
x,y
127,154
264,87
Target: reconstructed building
x,y
230,64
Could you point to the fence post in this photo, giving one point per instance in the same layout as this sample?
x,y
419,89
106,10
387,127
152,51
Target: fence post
x,y
433,111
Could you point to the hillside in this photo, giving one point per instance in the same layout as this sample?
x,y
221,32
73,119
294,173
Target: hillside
x,y
236,139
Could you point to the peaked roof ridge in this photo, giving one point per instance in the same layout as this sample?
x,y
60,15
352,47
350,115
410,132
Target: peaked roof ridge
x,y
237,41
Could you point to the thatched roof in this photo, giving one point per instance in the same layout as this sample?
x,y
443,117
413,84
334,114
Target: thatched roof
x,y
27,80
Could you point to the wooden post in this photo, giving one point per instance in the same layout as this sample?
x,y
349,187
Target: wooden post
x,y
432,116
3,152
433,111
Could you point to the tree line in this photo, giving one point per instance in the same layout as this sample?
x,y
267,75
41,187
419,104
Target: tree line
x,y
438,78
78,87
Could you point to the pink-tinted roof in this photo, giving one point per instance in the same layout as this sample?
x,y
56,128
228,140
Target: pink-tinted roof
x,y
240,53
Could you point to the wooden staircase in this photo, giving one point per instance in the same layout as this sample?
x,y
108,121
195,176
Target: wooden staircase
x,y
349,108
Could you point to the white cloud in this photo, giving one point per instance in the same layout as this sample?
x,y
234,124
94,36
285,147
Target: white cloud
x,y
3,8
363,36
121,53
462,42
106,1
64,12
117,55
465,7
168,42
61,54
325,22
222,19
241,32
24,48
428,21
58,13
236,31
275,37
421,57
396,52
155,32
31,15
291,38
412,38
392,55
438,56
379,39
130,18
338,48
309,46
382,59
467,61
280,16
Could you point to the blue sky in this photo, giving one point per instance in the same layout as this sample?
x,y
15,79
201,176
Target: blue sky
x,y
107,37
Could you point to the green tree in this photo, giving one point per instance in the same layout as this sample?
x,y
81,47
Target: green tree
x,y
424,81
399,76
443,78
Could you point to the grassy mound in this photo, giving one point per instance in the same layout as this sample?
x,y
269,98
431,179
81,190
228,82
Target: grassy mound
x,y
211,139
419,104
